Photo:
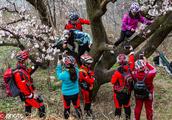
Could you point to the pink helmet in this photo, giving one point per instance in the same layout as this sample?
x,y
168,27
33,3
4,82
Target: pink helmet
x,y
122,59
69,61
22,56
135,7
86,59
140,65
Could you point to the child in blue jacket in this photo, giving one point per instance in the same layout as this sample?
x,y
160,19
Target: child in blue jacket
x,y
83,40
70,85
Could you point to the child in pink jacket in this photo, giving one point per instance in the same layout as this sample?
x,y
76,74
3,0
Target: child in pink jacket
x,y
130,22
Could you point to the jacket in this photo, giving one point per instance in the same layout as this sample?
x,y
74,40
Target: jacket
x,y
80,37
86,75
68,87
78,25
118,79
23,79
149,78
128,23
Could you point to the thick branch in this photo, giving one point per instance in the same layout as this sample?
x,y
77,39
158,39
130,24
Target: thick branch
x,y
42,9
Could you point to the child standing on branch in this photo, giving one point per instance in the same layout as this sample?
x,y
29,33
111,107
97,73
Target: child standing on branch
x,y
130,22
75,22
122,84
83,40
86,79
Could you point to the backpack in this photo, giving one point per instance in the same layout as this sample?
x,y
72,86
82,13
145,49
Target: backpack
x,y
9,81
140,89
128,78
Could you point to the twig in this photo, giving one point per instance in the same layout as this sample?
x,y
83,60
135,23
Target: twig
x,y
16,21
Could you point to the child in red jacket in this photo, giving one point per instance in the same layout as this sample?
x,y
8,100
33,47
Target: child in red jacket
x,y
86,79
122,84
75,22
143,88
25,84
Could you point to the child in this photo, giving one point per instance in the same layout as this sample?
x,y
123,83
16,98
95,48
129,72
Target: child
x,y
130,22
70,85
75,22
86,79
122,84
25,84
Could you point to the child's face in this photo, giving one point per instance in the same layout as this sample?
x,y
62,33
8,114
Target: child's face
x,y
73,21
133,13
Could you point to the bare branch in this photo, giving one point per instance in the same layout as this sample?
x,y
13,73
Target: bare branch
x,y
14,5
103,8
3,43
8,10
16,21
12,33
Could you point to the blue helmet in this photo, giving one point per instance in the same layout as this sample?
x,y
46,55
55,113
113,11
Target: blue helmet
x,y
73,16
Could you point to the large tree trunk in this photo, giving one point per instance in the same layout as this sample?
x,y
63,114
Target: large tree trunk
x,y
104,59
40,5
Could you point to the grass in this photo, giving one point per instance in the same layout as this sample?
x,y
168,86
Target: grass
x,y
103,107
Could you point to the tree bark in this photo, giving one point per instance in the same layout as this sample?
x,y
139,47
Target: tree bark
x,y
40,5
104,60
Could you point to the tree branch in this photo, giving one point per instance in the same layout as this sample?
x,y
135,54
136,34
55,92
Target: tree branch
x,y
42,9
102,10
16,21
3,43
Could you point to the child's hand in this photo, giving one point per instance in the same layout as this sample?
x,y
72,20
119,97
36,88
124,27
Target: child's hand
x,y
132,29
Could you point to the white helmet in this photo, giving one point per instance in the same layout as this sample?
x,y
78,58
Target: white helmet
x,y
86,59
140,65
135,7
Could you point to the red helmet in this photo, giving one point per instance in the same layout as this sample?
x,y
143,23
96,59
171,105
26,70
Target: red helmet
x,y
86,59
140,65
69,61
22,56
122,59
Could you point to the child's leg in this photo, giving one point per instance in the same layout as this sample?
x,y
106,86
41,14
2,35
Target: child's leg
x,y
121,39
76,103
66,103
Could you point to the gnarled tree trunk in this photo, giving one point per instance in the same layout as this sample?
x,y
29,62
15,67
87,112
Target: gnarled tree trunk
x,y
103,58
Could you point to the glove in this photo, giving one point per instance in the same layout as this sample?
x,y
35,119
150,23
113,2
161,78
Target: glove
x,y
30,96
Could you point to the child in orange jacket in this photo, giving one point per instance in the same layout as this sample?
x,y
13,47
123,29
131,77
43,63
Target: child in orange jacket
x,y
86,79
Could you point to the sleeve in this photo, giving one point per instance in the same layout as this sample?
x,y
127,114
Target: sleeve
x,y
33,69
125,22
59,72
152,70
84,21
145,21
21,84
114,77
131,61
67,27
89,39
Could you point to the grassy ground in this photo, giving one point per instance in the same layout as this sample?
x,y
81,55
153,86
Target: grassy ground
x,y
103,107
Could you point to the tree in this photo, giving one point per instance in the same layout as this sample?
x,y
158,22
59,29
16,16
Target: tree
x,y
39,36
104,59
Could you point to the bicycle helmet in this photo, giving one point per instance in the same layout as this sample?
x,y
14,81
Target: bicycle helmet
x,y
122,59
135,7
22,56
86,59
